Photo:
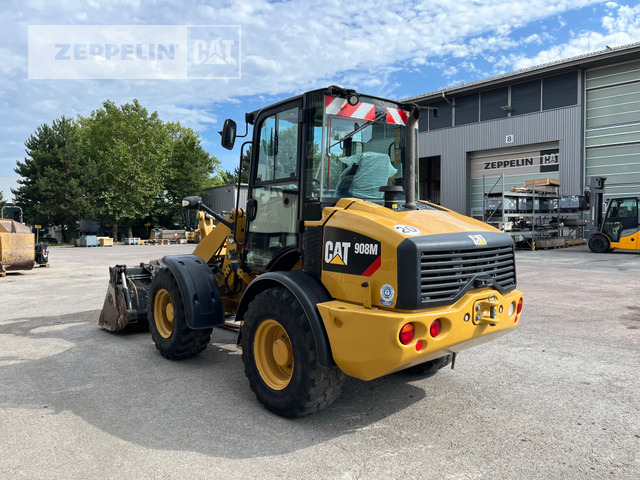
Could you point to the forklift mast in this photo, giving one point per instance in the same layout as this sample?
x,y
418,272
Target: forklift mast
x,y
597,203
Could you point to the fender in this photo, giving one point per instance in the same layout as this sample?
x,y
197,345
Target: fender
x,y
309,291
199,289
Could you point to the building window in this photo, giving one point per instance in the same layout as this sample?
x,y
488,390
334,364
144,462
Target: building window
x,y
490,103
560,91
442,121
525,98
467,109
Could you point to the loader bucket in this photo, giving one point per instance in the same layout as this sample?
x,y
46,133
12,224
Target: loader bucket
x,y
17,250
125,305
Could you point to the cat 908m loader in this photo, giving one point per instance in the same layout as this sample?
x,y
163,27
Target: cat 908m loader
x,y
334,268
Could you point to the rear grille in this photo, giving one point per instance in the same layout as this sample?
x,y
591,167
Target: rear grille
x,y
445,274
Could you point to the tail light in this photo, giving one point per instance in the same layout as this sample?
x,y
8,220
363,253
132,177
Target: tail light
x,y
434,329
407,332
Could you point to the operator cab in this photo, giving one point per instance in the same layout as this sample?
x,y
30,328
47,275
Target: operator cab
x,y
621,222
310,151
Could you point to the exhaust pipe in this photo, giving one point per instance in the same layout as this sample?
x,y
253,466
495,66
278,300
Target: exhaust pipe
x,y
411,154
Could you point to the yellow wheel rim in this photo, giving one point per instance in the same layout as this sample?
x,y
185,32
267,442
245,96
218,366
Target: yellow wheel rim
x,y
163,313
273,354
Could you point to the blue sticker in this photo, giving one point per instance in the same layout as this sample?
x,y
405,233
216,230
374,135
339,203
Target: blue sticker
x,y
387,294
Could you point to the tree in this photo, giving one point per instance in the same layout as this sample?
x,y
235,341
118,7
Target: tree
x,y
131,150
3,202
188,172
228,177
57,181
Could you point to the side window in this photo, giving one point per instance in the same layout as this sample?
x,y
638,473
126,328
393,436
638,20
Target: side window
x,y
278,154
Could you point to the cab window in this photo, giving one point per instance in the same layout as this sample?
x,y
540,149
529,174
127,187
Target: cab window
x,y
278,149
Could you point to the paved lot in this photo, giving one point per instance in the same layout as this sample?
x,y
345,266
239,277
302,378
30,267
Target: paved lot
x,y
558,398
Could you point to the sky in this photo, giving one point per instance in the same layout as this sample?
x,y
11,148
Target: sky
x,y
386,48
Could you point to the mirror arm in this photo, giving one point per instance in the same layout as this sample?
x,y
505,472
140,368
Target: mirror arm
x,y
246,131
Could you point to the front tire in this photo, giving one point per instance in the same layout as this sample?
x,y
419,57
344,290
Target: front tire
x,y
598,243
167,322
280,357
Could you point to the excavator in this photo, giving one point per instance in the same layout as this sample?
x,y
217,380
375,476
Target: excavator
x,y
334,268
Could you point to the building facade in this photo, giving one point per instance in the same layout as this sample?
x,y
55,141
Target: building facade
x,y
569,120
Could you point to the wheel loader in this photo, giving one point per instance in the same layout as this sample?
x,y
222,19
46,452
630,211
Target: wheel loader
x,y
334,268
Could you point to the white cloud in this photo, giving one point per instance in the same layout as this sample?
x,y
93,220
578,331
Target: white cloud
x,y
621,27
287,47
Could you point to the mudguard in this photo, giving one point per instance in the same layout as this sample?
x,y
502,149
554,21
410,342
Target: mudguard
x,y
202,303
309,291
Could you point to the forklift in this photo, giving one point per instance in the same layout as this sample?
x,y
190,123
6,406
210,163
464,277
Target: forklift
x,y
618,228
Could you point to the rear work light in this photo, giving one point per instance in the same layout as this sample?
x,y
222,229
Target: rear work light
x,y
407,333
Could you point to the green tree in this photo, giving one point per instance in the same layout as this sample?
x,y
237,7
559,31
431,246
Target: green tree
x,y
57,181
228,177
3,202
188,172
131,150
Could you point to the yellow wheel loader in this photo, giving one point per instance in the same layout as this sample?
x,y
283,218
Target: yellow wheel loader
x,y
335,268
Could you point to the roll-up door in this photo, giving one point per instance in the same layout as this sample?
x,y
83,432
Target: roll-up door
x,y
530,162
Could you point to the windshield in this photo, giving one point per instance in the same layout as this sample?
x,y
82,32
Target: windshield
x,y
357,149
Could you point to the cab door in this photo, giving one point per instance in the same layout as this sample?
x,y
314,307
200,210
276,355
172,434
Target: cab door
x,y
621,223
274,191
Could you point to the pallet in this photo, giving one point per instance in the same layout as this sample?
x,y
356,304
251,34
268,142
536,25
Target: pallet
x,y
572,242
546,243
562,242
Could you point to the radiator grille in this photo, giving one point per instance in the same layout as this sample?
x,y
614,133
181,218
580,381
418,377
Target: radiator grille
x,y
444,274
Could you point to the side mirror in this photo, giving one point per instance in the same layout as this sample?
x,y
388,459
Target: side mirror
x,y
228,134
252,209
191,203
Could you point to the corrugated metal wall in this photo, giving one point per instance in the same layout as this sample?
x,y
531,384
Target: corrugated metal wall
x,y
612,136
454,145
223,198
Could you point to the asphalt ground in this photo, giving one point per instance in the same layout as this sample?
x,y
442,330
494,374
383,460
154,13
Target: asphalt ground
x,y
557,398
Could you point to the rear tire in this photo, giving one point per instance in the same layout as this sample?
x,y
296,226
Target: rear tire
x,y
598,243
280,357
428,369
167,322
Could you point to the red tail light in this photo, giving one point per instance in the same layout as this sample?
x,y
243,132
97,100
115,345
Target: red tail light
x,y
519,309
407,333
434,330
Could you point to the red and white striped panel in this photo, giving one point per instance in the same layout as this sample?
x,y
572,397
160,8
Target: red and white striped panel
x,y
339,106
397,116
